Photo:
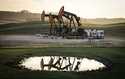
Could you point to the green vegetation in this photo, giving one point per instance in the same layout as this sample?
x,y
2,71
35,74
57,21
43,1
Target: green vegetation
x,y
24,28
9,55
117,29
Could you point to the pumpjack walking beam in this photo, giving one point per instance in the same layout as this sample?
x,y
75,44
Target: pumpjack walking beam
x,y
71,17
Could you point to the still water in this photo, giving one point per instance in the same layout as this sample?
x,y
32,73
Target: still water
x,y
61,63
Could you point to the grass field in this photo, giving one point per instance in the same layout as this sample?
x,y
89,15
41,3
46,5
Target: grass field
x,y
115,55
24,28
30,28
9,57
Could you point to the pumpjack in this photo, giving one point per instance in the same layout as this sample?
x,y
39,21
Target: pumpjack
x,y
64,24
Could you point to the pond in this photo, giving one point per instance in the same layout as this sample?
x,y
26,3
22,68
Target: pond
x,y
61,63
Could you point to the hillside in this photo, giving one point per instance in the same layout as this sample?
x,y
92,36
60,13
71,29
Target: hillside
x,y
103,21
17,17
24,16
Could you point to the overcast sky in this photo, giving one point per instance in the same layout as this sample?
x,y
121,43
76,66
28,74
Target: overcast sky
x,y
83,8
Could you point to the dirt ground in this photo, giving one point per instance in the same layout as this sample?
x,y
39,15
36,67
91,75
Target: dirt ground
x,y
40,40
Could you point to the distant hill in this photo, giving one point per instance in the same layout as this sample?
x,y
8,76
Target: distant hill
x,y
17,17
24,16
103,21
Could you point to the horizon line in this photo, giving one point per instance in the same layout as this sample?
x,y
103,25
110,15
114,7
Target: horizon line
x,y
57,12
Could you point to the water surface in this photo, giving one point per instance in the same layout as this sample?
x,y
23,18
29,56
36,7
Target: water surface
x,y
61,63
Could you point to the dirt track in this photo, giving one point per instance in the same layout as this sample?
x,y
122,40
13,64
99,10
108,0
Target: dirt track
x,y
34,40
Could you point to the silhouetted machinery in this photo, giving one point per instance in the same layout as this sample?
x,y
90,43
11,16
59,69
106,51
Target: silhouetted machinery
x,y
65,24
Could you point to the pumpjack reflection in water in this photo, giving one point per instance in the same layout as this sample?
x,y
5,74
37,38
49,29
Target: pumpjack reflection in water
x,y
61,63
57,64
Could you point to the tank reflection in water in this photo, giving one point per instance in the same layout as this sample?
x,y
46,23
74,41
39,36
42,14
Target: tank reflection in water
x,y
61,63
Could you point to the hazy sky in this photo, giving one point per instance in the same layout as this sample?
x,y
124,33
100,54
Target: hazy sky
x,y
83,8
